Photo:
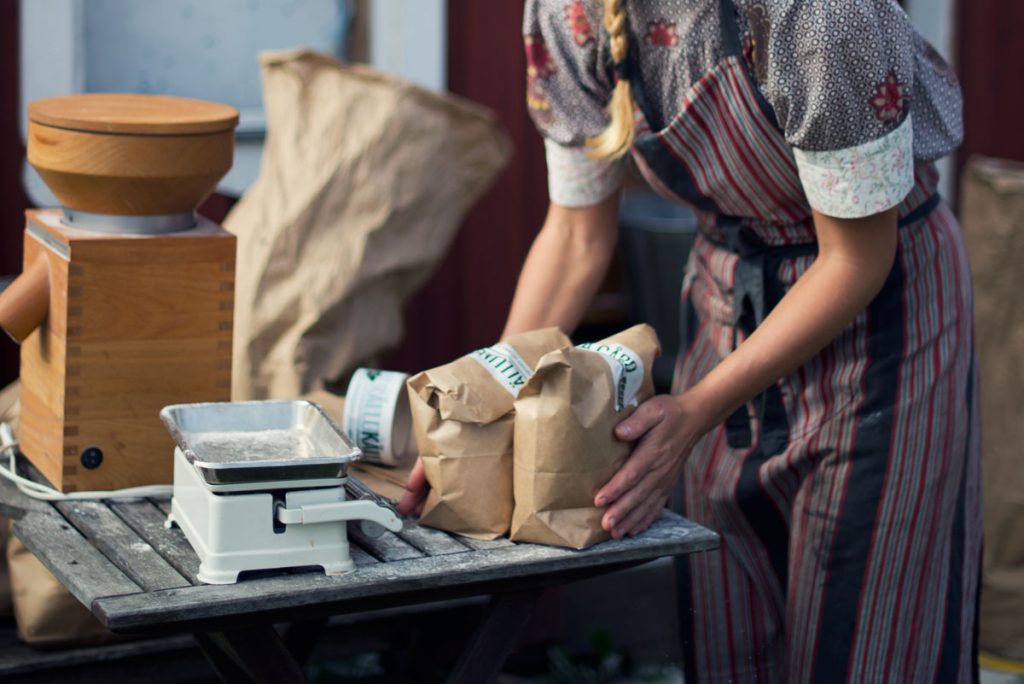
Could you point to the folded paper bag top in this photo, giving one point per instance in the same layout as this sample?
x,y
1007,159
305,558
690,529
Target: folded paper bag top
x,y
565,448
462,423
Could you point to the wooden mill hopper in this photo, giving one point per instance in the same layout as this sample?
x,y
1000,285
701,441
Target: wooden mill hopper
x,y
126,301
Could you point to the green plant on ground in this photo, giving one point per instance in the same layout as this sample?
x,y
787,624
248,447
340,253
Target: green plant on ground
x,y
604,664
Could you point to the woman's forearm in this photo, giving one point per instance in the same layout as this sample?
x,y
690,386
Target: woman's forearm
x,y
565,267
854,259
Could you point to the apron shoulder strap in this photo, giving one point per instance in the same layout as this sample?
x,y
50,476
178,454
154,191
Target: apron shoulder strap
x,y
728,20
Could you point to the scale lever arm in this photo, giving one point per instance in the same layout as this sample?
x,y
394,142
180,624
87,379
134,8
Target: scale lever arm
x,y
340,511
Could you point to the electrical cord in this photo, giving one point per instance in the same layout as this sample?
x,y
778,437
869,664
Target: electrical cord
x,y
9,471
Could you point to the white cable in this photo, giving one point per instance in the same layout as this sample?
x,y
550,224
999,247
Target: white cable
x,y
9,444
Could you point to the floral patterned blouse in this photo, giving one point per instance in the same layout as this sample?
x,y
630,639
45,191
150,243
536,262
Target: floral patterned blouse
x,y
858,93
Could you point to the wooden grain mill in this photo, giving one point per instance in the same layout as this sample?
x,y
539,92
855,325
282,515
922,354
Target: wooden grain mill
x,y
126,301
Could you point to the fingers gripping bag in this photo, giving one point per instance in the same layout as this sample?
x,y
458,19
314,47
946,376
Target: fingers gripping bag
x,y
462,423
565,449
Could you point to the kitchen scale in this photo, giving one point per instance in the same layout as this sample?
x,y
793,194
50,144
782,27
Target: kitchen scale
x,y
264,485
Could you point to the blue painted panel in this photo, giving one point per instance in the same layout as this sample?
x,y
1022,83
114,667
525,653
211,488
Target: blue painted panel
x,y
202,49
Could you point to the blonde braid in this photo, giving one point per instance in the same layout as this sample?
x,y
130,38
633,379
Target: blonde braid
x,y
616,140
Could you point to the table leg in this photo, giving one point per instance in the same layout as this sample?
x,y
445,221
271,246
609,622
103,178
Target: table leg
x,y
507,615
256,655
300,638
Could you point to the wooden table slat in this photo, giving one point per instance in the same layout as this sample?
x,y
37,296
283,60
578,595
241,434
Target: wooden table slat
x,y
360,557
134,556
163,503
387,547
14,504
79,566
424,572
671,535
148,521
432,542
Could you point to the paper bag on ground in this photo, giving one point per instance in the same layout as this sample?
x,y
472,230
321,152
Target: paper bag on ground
x,y
565,449
992,212
462,421
10,408
47,615
10,404
6,605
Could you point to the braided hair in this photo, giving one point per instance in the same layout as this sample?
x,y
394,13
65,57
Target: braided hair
x,y
617,138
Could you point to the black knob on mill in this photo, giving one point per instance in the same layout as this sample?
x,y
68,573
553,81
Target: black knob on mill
x,y
92,458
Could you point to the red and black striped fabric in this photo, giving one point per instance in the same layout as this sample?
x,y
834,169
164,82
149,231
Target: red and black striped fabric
x,y
852,555
848,496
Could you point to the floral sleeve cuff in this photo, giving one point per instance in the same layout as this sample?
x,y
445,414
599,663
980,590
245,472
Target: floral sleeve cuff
x,y
576,180
860,181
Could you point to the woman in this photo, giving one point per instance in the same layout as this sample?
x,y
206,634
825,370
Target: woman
x,y
823,419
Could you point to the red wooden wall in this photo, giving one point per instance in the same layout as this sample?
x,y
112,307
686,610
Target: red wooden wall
x,y
465,304
12,198
990,60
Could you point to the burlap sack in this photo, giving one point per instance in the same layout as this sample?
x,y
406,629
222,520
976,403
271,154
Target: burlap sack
x,y
992,213
565,449
462,423
363,184
47,615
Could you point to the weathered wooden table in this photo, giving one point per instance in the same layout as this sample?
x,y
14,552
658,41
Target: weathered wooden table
x,y
137,576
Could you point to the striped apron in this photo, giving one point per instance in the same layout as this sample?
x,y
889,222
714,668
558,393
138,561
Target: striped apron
x,y
847,495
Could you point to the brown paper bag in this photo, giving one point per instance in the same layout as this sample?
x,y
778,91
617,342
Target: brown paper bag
x,y
384,480
565,449
6,604
363,184
992,210
47,615
462,422
10,408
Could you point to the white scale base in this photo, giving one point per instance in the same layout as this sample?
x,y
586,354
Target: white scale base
x,y
242,531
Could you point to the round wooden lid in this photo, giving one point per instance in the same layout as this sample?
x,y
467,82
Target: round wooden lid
x,y
130,113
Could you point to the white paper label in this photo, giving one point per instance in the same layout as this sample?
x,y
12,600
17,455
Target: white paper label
x,y
370,406
627,371
505,365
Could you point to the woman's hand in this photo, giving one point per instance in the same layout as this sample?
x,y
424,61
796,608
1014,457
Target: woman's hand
x,y
416,490
664,428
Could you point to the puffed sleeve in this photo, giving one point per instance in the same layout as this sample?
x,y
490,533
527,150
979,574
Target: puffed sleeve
x,y
567,93
841,79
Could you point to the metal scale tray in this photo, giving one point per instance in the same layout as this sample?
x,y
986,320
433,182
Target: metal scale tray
x,y
261,445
